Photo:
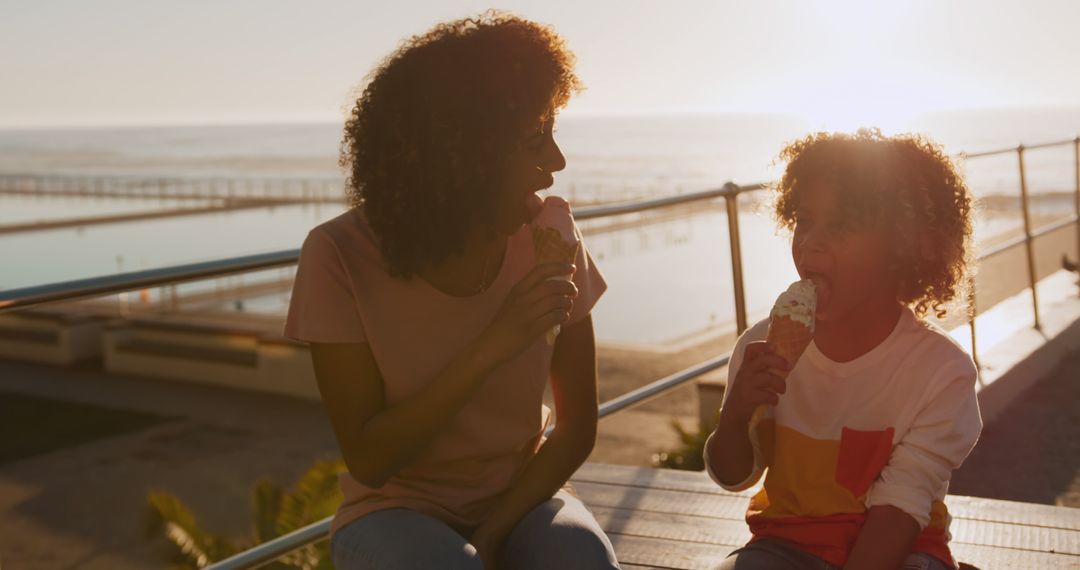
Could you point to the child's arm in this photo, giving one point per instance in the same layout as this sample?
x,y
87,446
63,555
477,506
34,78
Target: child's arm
x,y
729,456
943,433
885,540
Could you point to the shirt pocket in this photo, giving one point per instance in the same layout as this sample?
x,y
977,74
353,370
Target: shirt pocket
x,y
862,456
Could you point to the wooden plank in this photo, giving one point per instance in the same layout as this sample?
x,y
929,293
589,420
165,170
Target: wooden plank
x,y
678,515
679,528
661,501
973,508
680,520
1017,537
994,558
671,479
978,508
657,553
729,533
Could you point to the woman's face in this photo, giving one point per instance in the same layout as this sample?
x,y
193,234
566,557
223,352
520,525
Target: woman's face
x,y
528,170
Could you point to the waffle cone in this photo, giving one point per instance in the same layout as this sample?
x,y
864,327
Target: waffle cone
x,y
550,246
788,338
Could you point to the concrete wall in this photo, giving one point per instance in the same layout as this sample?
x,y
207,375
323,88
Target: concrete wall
x,y
278,368
49,340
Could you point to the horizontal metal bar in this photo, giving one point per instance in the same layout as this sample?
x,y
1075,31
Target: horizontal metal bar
x,y
1019,240
1013,149
629,208
13,299
269,551
654,389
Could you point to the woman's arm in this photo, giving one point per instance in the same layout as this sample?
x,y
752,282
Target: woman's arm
x,y
573,383
376,441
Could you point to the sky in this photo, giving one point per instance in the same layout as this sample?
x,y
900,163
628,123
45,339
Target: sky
x,y
835,63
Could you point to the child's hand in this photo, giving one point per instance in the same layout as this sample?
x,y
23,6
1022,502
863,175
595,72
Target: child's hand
x,y
756,383
536,304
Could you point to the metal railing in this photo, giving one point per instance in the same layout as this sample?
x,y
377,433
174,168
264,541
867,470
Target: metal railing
x,y
28,297
1027,240
311,189
262,554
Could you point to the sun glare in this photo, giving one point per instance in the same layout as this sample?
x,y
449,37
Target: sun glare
x,y
869,79
844,116
848,109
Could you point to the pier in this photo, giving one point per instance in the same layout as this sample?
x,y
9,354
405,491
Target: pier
x,y
229,205
324,189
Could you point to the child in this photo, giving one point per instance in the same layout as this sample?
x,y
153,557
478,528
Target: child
x,y
863,435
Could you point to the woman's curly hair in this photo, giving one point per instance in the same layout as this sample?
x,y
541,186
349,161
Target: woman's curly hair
x,y
425,141
904,185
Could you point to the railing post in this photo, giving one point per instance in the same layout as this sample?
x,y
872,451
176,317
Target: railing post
x,y
1076,204
1028,243
731,199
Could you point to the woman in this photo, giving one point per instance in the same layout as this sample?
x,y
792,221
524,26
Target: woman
x,y
427,313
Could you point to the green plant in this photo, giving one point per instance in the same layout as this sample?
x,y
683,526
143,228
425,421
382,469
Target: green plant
x,y
689,455
275,511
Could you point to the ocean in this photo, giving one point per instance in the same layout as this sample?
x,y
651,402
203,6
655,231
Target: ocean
x,y
669,280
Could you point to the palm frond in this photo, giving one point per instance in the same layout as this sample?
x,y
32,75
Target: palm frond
x,y
275,511
266,502
192,546
314,497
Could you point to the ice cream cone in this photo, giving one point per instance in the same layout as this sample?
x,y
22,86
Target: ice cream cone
x,y
550,247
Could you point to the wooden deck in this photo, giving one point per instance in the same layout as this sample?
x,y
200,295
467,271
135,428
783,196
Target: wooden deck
x,y
659,518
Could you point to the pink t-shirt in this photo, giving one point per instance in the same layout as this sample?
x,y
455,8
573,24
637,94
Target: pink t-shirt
x,y
343,293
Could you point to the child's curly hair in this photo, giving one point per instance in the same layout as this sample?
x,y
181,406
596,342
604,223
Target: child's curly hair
x,y
904,185
425,141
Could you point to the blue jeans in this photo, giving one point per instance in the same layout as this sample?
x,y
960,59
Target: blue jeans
x,y
778,555
559,533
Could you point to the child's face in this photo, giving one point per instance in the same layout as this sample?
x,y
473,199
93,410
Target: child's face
x,y
528,170
849,263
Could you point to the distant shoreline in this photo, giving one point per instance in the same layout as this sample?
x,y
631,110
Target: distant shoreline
x,y
658,114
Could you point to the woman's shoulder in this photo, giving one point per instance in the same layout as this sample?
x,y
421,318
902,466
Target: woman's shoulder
x,y
347,232
350,225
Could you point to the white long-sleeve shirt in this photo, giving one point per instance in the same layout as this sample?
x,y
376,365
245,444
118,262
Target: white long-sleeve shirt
x,y
887,428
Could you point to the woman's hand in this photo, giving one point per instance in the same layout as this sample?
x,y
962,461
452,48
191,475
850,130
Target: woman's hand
x,y
536,304
756,383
